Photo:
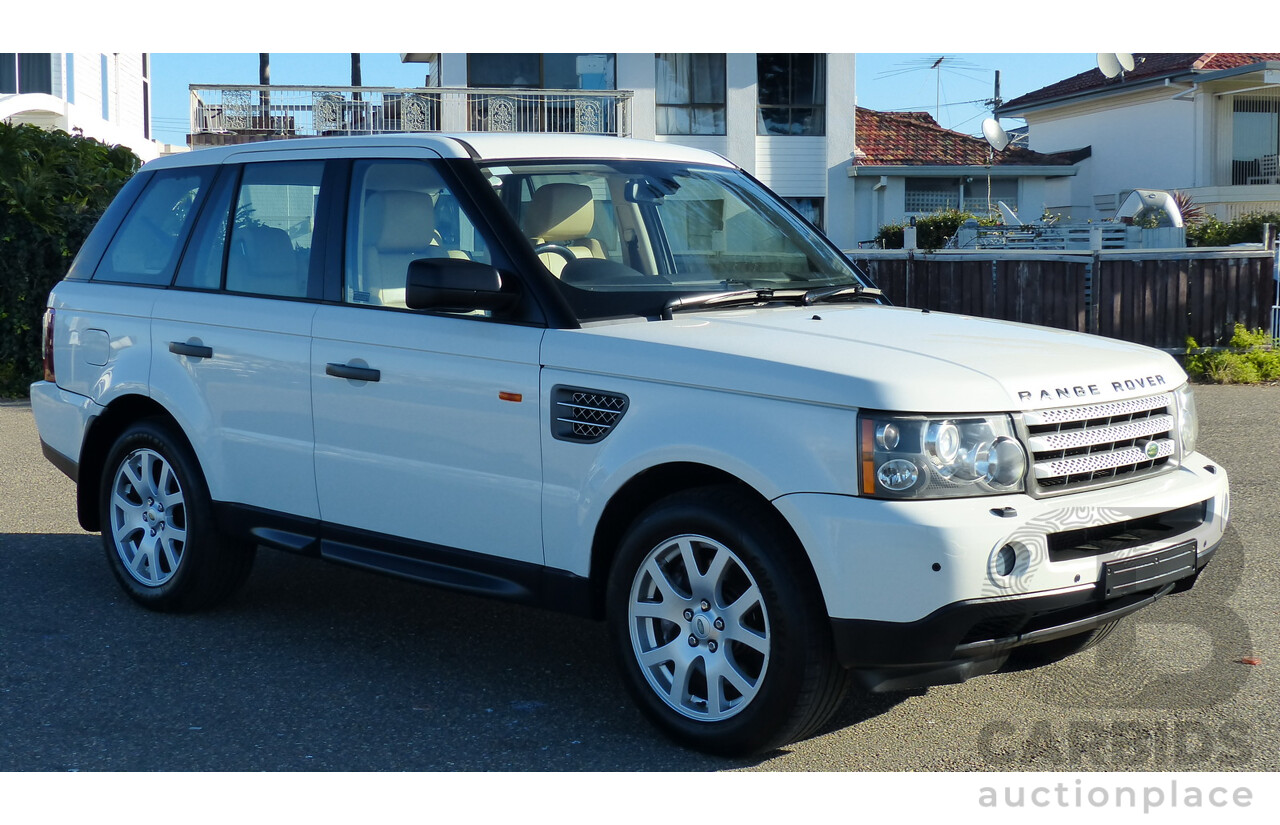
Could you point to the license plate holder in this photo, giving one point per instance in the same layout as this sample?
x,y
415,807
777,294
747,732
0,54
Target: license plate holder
x,y
1148,571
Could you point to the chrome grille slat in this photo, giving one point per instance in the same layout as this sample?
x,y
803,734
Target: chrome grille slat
x,y
585,415
1094,411
1094,436
1094,462
1098,444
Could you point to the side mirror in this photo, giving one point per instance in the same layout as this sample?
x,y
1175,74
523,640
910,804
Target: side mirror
x,y
455,284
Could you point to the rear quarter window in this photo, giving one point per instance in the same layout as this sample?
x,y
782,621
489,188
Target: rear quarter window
x,y
146,247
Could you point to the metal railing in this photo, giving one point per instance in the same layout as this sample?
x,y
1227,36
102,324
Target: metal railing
x,y
236,114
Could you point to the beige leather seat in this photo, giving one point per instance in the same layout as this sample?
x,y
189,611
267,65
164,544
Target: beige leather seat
x,y
400,227
562,214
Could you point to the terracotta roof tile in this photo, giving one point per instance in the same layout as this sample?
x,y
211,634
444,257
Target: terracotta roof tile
x,y
1148,67
916,139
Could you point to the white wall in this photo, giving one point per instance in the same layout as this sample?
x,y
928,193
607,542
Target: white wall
x,y
1146,142
125,125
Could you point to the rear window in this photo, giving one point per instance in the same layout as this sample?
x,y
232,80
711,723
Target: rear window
x,y
146,247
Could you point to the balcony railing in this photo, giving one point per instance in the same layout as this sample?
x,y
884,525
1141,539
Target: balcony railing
x,y
239,114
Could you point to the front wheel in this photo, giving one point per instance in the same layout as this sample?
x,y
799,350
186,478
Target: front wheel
x,y
158,526
719,628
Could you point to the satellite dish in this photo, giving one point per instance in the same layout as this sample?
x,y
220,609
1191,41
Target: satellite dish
x,y
995,134
1112,65
1007,215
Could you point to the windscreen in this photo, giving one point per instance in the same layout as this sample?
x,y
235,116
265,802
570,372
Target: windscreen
x,y
624,238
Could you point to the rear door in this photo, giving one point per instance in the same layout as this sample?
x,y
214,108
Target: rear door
x,y
232,340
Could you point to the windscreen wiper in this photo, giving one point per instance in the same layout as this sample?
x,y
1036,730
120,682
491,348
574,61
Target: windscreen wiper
x,y
738,297
800,297
847,292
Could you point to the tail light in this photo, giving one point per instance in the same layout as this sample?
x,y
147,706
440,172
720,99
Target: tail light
x,y
46,347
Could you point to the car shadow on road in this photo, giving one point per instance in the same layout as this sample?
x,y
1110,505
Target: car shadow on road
x,y
311,666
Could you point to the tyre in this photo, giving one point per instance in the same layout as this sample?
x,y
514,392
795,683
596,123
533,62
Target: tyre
x,y
158,526
1046,653
719,628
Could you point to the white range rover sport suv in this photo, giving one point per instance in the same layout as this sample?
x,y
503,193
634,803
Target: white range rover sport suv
x,y
616,378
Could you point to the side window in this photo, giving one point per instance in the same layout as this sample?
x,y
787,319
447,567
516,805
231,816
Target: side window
x,y
150,238
202,264
269,251
401,211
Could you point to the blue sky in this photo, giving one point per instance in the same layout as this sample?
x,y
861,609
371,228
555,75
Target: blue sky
x,y
956,91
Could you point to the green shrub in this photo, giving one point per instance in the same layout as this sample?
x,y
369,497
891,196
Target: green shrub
x,y
53,188
1244,229
1250,360
932,231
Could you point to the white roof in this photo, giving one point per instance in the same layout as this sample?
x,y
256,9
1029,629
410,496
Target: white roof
x,y
484,146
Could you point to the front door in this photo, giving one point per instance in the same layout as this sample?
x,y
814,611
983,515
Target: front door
x,y
426,424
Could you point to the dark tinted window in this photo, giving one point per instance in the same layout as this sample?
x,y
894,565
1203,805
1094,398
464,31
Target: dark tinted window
x,y
145,249
202,264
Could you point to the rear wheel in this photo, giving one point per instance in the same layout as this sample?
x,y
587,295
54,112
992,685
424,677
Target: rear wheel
x,y
718,626
158,526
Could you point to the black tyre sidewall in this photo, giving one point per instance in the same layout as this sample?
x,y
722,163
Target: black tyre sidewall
x,y
799,636
196,581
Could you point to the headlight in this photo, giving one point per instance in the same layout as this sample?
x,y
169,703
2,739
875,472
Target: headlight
x,y
1188,421
939,456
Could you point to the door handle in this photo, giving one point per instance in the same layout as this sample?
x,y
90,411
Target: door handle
x,y
352,372
190,350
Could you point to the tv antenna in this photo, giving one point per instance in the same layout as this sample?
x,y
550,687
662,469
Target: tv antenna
x,y
939,65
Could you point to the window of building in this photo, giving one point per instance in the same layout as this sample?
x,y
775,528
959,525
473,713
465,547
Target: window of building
x,y
541,71
810,208
691,94
925,195
26,73
792,94
1255,139
980,202
146,98
105,66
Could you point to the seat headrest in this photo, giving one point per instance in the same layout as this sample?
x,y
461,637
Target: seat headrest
x,y
560,212
400,220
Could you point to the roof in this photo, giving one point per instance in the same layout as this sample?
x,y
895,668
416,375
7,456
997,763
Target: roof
x,y
1148,68
916,139
478,145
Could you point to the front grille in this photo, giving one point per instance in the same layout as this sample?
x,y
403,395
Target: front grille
x,y
1074,447
1124,535
585,415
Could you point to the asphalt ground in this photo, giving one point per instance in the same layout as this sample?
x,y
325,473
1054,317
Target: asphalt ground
x,y
315,667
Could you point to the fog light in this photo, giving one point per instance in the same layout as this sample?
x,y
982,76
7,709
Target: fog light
x,y
1006,558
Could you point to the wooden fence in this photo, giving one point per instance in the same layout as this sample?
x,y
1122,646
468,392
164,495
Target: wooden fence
x,y
1152,297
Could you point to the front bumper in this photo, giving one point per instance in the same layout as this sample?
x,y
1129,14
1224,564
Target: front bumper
x,y
935,592
967,639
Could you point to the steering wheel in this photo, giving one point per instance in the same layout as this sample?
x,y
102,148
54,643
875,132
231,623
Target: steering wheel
x,y
556,249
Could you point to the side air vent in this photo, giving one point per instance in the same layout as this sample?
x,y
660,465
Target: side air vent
x,y
585,416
